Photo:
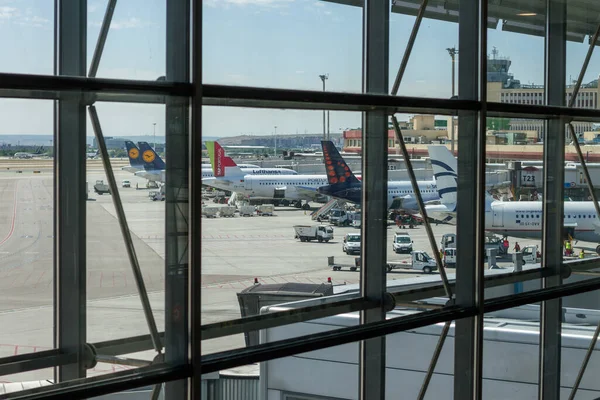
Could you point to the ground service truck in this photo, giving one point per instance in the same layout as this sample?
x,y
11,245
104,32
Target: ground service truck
x,y
306,233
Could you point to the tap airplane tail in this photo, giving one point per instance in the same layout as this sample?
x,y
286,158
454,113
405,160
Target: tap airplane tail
x,y
222,165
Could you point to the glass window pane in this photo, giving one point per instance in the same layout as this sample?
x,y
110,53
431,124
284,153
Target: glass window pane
x,y
29,24
313,38
137,159
271,214
26,231
135,43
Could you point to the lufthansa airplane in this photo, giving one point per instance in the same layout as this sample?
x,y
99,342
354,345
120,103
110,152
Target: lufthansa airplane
x,y
285,187
521,219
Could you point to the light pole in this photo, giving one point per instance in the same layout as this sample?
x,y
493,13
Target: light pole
x,y
275,141
154,129
324,77
453,52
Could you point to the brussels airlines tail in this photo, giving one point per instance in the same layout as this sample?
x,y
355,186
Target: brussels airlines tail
x,y
342,182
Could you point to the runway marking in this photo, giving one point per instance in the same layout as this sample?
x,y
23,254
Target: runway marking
x,y
39,279
12,227
26,279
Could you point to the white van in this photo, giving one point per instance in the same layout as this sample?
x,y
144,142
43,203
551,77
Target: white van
x,y
402,243
351,243
449,257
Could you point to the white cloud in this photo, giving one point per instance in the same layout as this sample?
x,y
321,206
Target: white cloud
x,y
319,4
130,23
8,12
35,21
263,3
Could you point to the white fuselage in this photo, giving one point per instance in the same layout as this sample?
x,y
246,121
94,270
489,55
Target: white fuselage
x,y
291,187
207,172
523,219
403,189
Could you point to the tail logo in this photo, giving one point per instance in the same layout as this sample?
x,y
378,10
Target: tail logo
x,y
134,153
148,156
331,169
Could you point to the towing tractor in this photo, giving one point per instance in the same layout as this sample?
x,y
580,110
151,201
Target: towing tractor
x,y
306,233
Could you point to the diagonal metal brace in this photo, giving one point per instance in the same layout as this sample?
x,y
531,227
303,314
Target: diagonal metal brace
x,y
135,266
417,192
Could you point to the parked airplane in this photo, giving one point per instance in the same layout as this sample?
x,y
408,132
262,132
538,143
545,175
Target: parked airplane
x,y
521,219
93,154
282,187
343,184
153,167
37,153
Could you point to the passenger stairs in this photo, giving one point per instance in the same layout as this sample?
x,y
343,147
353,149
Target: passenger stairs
x,y
326,208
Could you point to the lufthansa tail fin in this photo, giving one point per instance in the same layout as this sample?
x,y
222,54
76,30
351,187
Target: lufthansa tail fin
x,y
222,165
151,160
135,159
338,172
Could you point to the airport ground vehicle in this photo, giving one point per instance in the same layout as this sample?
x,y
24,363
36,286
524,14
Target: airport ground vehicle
x,y
351,244
449,257
246,210
306,233
402,242
338,217
227,211
126,183
265,209
418,260
210,212
491,242
156,195
100,187
531,255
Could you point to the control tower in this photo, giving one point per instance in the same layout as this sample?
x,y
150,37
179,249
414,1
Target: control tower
x,y
497,71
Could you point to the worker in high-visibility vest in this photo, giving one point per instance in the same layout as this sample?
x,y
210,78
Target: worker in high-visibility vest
x,y
568,248
581,254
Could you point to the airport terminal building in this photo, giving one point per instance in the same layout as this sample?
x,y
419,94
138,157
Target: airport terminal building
x,y
123,279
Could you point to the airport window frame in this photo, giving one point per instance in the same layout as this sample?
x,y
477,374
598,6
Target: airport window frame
x,y
469,305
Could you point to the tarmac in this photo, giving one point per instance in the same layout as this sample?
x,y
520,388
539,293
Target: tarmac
x,y
234,252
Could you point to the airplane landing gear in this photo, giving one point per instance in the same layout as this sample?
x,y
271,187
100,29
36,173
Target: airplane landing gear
x,y
305,206
598,249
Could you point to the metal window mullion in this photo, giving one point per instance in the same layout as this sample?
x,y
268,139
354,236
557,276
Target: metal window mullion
x,y
372,352
176,185
552,218
70,196
195,234
468,332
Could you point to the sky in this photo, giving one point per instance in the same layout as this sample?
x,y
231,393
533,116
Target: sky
x,y
270,43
